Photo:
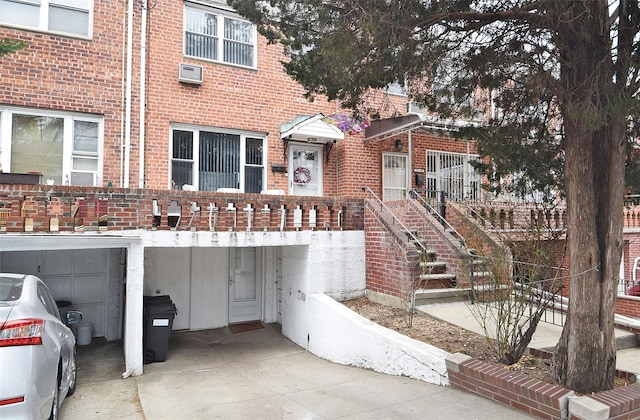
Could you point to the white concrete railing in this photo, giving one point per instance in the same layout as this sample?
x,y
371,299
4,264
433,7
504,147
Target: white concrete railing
x,y
338,334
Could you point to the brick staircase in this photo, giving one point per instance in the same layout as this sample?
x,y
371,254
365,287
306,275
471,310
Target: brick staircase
x,y
436,285
430,260
439,286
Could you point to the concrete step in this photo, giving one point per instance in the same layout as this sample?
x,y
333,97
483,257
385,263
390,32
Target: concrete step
x,y
442,295
481,274
433,267
625,339
438,281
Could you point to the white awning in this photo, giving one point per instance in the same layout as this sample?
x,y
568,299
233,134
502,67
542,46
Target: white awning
x,y
310,129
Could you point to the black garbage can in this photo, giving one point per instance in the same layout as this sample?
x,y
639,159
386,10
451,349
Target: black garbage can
x,y
158,321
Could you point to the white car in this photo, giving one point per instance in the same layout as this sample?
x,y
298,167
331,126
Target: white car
x,y
37,350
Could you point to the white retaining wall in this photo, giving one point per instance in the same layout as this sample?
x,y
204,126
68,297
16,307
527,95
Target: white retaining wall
x,y
338,334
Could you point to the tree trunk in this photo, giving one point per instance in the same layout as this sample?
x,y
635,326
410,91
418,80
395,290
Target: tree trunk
x,y
594,178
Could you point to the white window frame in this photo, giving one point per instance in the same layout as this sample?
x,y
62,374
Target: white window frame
x,y
6,127
221,15
397,88
195,161
43,15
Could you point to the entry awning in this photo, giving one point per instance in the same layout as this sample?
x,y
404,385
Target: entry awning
x,y
390,127
310,129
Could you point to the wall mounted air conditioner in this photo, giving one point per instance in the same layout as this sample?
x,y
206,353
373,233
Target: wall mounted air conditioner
x,y
413,108
190,74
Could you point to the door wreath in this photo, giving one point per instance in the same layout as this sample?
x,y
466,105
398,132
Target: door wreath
x,y
301,175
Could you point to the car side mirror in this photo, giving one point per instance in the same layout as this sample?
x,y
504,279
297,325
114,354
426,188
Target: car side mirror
x,y
73,317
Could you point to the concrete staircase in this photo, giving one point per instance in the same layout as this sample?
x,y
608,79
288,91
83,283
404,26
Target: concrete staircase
x,y
436,284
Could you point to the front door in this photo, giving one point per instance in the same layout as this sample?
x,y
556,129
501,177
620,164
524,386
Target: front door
x,y
305,169
394,177
245,285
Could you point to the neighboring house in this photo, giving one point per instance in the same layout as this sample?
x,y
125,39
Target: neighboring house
x,y
159,148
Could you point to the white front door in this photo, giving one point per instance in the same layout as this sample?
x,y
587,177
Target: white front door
x,y
305,169
394,177
245,284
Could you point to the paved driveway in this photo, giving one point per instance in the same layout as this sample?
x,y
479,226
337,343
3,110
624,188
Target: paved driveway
x,y
256,375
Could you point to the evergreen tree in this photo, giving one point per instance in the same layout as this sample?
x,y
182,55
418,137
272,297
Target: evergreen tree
x,y
8,46
561,80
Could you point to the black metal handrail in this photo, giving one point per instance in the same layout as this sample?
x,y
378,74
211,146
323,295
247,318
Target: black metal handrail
x,y
395,219
545,295
441,218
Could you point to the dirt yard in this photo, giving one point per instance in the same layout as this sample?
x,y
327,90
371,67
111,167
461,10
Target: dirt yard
x,y
443,335
449,337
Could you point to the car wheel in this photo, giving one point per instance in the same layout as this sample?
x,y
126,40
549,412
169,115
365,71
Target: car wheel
x,y
74,375
56,398
148,356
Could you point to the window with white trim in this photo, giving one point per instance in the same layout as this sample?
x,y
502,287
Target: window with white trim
x,y
216,35
66,148
210,159
69,17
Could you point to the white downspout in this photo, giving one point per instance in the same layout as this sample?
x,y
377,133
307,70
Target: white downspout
x,y
143,94
123,98
127,135
410,163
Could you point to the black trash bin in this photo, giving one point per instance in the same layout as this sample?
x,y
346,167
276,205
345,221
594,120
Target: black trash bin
x,y
158,321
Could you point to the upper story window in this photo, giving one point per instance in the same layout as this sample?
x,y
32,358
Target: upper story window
x,y
211,159
66,148
397,88
70,17
213,35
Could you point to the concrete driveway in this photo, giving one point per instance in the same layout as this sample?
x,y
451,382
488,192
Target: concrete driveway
x,y
256,374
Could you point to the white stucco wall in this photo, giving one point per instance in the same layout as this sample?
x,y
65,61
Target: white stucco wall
x,y
340,335
331,262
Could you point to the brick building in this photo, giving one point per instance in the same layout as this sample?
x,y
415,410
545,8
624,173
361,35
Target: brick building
x,y
159,148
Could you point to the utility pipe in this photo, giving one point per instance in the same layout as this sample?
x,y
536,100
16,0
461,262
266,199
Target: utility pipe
x,y
410,164
143,94
127,135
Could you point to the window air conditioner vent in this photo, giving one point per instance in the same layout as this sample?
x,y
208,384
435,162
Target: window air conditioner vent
x,y
190,74
413,108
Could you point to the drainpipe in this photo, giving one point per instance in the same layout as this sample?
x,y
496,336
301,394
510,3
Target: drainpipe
x,y
123,96
410,163
143,87
127,135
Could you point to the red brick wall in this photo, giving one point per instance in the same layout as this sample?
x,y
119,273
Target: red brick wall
x,y
447,248
89,76
229,97
68,74
538,398
388,271
80,209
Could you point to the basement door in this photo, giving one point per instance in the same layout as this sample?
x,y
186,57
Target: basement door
x,y
245,285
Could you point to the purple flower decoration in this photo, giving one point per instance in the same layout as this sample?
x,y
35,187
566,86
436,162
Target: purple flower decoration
x,y
347,123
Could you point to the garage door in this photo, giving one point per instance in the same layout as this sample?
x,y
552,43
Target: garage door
x,y
79,276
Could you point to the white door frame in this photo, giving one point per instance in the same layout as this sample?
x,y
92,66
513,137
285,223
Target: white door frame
x,y
385,177
305,176
245,287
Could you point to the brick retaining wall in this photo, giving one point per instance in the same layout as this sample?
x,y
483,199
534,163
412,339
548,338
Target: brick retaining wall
x,y
539,398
